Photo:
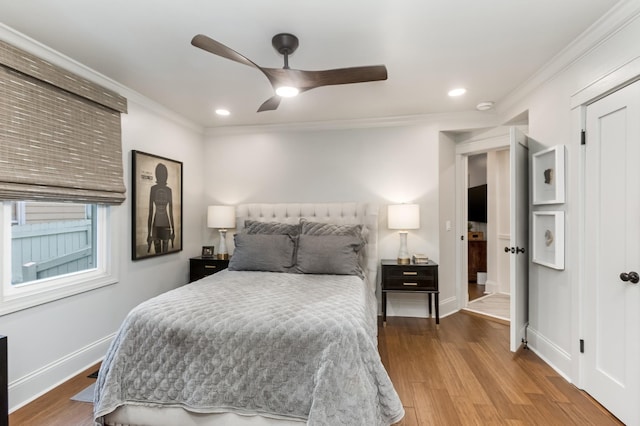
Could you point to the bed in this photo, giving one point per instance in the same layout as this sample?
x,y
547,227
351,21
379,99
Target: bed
x,y
286,336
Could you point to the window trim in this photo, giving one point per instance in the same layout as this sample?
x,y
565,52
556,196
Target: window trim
x,y
14,298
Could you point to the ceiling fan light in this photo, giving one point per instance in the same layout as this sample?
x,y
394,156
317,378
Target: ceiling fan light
x,y
457,92
287,91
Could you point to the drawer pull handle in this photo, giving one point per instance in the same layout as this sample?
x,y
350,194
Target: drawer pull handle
x,y
210,266
413,284
410,273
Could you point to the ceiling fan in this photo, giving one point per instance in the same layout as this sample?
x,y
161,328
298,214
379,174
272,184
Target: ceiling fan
x,y
287,81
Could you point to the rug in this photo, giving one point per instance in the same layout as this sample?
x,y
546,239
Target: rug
x,y
86,395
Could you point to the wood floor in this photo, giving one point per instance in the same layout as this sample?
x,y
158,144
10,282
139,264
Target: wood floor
x,y
460,373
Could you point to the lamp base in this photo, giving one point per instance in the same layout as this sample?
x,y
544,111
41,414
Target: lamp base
x,y
222,251
403,253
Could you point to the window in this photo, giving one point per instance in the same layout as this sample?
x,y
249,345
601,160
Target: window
x,y
52,250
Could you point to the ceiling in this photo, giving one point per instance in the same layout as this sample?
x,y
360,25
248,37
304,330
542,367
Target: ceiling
x,y
489,47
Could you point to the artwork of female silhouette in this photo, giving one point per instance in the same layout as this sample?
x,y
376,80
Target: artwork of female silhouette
x,y
160,227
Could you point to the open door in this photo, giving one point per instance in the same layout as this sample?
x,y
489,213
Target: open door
x,y
519,236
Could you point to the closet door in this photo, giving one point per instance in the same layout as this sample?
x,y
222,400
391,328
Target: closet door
x,y
611,304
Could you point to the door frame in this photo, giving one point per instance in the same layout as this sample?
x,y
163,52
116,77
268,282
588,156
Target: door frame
x,y
598,89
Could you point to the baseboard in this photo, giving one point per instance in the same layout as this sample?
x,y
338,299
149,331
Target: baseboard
x,y
549,352
38,382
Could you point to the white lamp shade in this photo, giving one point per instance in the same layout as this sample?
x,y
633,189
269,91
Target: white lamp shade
x,y
403,216
221,217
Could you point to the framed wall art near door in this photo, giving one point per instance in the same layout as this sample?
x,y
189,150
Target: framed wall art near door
x,y
548,239
156,206
548,176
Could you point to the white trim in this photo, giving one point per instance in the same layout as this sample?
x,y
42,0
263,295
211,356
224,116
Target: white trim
x,y
611,81
35,384
549,352
446,122
14,299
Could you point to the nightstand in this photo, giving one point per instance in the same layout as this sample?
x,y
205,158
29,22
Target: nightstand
x,y
421,278
200,267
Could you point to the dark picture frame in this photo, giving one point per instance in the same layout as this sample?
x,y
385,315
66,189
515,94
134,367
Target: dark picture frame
x,y
156,219
207,251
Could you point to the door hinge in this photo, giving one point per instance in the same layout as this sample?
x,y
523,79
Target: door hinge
x,y
581,346
583,137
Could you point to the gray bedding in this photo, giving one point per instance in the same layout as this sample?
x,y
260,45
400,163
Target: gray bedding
x,y
280,345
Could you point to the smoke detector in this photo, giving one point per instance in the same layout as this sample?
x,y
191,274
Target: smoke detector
x,y
483,106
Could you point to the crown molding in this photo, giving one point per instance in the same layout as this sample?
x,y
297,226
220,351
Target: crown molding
x,y
46,53
445,122
607,26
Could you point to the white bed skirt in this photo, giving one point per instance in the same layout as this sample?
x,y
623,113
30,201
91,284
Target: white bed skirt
x,y
139,415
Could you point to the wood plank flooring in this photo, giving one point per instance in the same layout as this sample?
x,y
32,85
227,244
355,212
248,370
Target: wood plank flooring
x,y
460,373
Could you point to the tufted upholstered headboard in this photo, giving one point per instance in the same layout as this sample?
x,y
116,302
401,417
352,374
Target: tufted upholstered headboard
x,y
338,213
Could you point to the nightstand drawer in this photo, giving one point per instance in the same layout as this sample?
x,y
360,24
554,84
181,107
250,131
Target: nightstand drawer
x,y
201,267
409,283
408,272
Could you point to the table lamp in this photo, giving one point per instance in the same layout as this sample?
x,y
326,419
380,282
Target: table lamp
x,y
403,217
222,217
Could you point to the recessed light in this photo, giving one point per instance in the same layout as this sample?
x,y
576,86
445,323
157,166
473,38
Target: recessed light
x,y
222,111
483,106
457,92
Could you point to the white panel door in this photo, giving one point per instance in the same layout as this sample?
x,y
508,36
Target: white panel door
x,y
519,234
611,303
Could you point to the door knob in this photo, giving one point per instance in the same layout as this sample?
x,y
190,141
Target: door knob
x,y
515,250
631,276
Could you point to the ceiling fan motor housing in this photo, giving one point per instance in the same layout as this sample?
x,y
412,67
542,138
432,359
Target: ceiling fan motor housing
x,y
285,43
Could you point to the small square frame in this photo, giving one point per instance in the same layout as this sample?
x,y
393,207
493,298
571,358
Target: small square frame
x,y
548,176
207,252
548,239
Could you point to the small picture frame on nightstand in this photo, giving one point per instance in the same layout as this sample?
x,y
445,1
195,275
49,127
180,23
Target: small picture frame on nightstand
x,y
207,252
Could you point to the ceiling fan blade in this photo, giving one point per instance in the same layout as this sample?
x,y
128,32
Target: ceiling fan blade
x,y
312,79
270,104
345,75
212,46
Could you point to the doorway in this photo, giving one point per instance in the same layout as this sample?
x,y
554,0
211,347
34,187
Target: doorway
x,y
477,226
488,219
507,223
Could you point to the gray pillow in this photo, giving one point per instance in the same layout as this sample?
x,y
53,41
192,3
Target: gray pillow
x,y
270,228
317,228
329,254
256,252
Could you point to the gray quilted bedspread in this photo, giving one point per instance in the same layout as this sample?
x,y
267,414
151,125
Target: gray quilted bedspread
x,y
280,345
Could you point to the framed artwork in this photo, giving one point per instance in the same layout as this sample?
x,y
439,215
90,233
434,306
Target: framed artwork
x,y
548,239
156,205
548,176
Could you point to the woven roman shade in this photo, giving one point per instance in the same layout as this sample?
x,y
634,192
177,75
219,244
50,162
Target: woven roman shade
x,y
60,134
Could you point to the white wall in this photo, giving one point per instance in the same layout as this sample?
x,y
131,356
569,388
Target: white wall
x,y
51,342
381,165
554,316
